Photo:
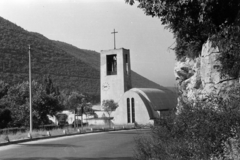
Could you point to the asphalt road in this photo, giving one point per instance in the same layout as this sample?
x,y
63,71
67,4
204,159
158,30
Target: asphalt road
x,y
97,146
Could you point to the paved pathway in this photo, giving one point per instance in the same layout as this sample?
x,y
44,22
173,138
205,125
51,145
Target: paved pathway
x,y
109,145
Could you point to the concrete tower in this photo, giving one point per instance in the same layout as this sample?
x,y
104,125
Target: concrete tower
x,y
115,73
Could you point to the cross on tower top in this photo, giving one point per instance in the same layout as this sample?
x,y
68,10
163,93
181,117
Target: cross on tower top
x,y
114,32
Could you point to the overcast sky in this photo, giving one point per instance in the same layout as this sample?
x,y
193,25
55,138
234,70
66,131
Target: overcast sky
x,y
88,24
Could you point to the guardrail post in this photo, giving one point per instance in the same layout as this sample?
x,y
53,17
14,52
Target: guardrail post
x,y
48,134
29,136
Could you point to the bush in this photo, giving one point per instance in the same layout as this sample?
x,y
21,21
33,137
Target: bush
x,y
206,130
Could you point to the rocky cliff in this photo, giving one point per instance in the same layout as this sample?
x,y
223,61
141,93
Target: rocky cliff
x,y
200,78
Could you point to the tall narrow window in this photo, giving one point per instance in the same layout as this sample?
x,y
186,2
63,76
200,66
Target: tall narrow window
x,y
126,62
112,64
133,111
128,111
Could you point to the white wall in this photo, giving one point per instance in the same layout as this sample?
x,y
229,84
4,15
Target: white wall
x,y
141,113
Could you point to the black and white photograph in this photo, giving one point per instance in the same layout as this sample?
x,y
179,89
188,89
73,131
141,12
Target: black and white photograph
x,y
119,80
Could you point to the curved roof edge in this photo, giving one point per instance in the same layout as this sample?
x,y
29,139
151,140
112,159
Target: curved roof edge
x,y
152,114
159,100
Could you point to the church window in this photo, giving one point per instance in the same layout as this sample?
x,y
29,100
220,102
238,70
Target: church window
x,y
112,64
128,111
126,62
133,111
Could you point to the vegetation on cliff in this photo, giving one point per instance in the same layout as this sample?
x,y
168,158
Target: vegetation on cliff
x,y
203,130
208,128
193,22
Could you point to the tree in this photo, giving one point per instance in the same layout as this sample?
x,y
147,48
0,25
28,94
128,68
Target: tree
x,y
17,101
109,106
79,103
44,105
193,22
73,100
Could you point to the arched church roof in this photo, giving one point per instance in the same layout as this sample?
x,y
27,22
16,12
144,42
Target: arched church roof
x,y
159,100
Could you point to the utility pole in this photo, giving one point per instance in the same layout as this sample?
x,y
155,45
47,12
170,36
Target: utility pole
x,y
114,32
30,88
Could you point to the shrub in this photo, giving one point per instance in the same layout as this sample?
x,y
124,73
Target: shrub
x,y
206,130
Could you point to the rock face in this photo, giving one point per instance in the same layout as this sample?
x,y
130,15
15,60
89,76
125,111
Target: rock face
x,y
199,78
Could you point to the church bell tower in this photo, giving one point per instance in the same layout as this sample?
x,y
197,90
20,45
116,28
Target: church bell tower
x,y
115,73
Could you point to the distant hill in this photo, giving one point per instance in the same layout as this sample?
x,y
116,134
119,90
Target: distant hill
x,y
70,68
48,57
90,57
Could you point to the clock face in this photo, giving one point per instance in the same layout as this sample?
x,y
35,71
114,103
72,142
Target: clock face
x,y
105,86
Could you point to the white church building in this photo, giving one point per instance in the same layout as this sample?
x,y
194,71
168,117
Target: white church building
x,y
136,105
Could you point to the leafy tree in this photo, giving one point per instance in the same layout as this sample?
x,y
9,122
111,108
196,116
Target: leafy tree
x,y
79,103
74,100
17,101
45,105
109,106
193,22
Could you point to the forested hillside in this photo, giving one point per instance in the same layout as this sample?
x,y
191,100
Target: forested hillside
x,y
48,57
90,57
